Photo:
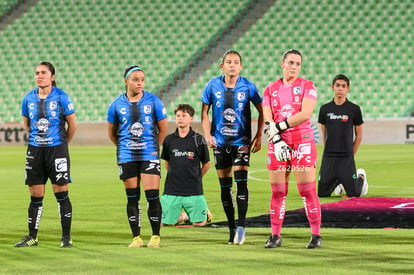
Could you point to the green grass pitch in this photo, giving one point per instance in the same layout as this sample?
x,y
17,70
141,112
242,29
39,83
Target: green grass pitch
x,y
100,230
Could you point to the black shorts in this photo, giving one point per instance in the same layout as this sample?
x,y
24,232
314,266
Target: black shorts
x,y
338,170
43,163
133,169
225,157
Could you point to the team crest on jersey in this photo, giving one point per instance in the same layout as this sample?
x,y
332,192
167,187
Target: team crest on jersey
x,y
53,105
147,109
241,96
230,115
42,124
136,129
297,90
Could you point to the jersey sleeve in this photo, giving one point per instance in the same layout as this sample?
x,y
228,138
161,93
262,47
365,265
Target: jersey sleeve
x,y
165,150
254,95
206,97
160,111
310,90
321,118
358,116
25,112
111,115
67,105
266,96
204,153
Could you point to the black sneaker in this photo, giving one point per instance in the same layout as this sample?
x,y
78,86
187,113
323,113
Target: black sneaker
x,y
315,242
273,241
232,234
27,241
66,242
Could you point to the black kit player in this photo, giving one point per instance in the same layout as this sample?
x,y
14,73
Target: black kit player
x,y
187,160
339,119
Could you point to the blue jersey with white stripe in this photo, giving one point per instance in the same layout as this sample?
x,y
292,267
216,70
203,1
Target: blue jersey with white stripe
x,y
47,117
137,126
231,114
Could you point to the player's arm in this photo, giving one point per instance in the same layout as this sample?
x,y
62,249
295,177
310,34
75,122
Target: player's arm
x,y
204,168
72,126
358,138
167,164
205,123
323,130
257,140
308,104
112,133
162,127
26,124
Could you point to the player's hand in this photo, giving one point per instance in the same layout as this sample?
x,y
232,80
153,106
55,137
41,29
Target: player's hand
x,y
211,142
270,130
281,149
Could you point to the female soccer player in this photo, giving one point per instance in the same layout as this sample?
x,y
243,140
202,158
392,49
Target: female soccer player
x,y
287,107
137,125
230,135
46,111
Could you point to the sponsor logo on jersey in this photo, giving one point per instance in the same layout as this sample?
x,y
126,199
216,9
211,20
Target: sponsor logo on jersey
x,y
296,100
42,125
332,116
217,94
226,131
230,115
312,92
136,129
297,90
275,93
123,111
241,96
189,154
286,111
31,106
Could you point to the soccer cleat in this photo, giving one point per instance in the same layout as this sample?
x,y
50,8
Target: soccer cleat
x,y
27,241
239,237
339,189
315,242
273,241
66,242
136,242
232,234
361,173
154,242
209,216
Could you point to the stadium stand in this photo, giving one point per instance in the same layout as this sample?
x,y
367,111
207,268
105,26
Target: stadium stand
x,y
91,42
361,39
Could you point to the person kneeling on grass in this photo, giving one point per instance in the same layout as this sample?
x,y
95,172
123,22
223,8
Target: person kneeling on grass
x,y
183,151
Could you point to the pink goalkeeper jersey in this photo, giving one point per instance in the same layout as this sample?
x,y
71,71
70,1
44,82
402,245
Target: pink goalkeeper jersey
x,y
285,100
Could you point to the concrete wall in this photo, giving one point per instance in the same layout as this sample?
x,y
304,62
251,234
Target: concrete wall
x,y
384,131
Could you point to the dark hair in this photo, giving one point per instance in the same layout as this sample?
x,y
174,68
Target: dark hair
x,y
186,108
51,69
231,52
291,51
341,77
130,69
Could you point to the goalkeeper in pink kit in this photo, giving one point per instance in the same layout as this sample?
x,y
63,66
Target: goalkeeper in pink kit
x,y
288,104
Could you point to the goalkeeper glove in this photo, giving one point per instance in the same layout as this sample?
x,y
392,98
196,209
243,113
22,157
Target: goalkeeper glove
x,y
272,129
281,149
